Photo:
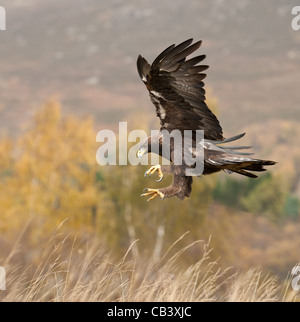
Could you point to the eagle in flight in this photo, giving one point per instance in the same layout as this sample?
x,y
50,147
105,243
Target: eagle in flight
x,y
176,88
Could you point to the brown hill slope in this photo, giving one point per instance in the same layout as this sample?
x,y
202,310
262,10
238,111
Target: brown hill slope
x,y
85,52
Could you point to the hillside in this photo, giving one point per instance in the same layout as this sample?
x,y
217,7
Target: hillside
x,y
84,53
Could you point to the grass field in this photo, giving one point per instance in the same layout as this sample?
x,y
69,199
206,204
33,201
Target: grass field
x,y
86,272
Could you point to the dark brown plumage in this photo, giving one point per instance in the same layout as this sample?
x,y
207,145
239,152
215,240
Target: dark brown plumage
x,y
176,88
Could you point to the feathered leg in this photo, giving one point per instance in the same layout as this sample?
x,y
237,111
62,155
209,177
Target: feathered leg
x,y
181,186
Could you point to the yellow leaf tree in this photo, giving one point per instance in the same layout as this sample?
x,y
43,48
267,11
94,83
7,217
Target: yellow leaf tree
x,y
51,173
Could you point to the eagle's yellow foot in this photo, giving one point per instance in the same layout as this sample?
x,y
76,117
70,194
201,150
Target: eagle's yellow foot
x,y
153,193
152,170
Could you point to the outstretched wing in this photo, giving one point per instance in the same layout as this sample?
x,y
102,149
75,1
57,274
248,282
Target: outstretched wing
x,y
176,89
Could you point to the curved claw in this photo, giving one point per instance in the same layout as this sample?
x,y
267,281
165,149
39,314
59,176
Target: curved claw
x,y
152,193
146,173
159,180
152,170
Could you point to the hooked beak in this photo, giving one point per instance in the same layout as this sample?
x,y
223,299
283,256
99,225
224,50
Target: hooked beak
x,y
141,152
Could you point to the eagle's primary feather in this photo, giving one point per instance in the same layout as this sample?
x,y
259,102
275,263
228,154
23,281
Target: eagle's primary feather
x,y
177,90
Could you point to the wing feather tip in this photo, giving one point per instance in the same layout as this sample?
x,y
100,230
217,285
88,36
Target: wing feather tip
x,y
143,68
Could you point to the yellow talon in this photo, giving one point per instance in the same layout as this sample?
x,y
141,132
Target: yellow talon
x,y
153,193
152,170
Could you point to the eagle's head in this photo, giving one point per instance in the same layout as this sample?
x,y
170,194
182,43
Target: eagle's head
x,y
141,152
150,144
144,147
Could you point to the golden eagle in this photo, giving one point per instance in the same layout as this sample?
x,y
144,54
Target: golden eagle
x,y
176,88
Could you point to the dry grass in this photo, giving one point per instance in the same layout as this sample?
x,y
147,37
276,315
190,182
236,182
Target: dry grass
x,y
68,272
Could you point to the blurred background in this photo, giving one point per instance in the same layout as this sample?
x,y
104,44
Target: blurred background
x,y
68,70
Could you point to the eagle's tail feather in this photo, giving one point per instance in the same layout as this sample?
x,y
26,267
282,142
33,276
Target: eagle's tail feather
x,y
245,173
244,167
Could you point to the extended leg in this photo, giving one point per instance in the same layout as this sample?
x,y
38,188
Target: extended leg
x,y
181,187
152,193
